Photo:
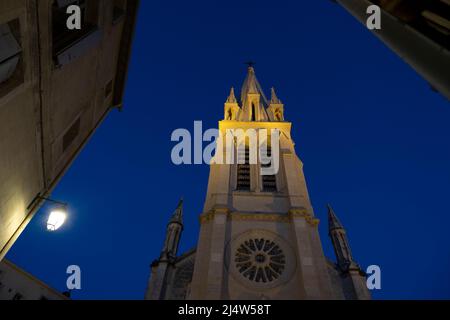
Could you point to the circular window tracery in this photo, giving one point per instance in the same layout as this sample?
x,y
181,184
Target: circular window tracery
x,y
260,260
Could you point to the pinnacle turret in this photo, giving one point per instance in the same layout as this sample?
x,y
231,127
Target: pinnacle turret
x,y
274,99
340,242
333,221
177,216
232,97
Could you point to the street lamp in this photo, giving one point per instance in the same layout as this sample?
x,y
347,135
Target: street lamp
x,y
57,216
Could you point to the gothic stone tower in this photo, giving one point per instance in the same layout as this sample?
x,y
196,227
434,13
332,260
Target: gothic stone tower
x,y
258,237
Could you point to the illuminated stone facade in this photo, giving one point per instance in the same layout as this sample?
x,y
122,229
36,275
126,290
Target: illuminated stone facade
x,y
258,237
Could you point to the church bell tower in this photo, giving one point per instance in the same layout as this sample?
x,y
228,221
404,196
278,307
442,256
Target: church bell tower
x,y
258,237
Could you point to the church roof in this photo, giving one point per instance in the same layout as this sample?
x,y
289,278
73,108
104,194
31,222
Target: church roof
x,y
333,221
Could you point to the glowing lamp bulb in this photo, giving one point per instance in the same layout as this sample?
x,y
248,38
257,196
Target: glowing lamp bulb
x,y
56,219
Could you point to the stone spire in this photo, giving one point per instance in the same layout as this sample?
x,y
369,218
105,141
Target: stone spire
x,y
340,243
274,99
348,267
231,107
160,268
173,234
276,108
177,216
253,100
333,221
231,97
251,86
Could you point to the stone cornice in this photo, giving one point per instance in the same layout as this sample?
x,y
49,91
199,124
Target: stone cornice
x,y
258,217
303,213
226,124
207,216
272,217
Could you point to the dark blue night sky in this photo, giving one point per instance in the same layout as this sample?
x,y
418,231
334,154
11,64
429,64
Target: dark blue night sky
x,y
372,135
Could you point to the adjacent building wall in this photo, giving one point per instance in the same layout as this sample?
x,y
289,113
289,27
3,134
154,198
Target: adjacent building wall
x,y
17,284
408,28
55,99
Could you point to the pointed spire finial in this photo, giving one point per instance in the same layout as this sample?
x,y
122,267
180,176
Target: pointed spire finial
x,y
333,221
274,99
250,64
250,68
177,216
251,85
232,97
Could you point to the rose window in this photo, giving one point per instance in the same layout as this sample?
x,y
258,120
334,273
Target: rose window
x,y
260,260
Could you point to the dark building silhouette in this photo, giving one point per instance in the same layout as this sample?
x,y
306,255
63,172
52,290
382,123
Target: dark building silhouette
x,y
418,31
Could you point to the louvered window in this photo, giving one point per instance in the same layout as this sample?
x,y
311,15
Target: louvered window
x,y
270,181
243,170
